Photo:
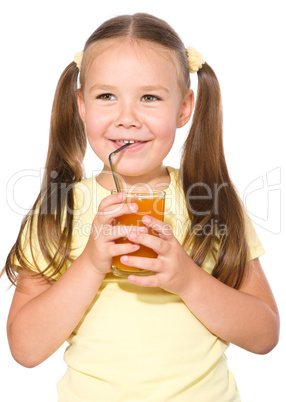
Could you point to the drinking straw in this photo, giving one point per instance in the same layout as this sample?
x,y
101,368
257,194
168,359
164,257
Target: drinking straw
x,y
113,168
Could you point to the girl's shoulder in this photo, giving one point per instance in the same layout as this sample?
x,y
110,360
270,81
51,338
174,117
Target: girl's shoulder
x,y
82,195
84,186
175,176
87,195
175,190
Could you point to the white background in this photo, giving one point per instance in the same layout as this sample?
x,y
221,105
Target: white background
x,y
244,42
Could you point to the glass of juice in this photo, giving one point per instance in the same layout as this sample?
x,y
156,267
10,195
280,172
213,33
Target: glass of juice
x,y
150,202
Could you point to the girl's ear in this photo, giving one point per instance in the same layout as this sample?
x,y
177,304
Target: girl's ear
x,y
186,110
81,105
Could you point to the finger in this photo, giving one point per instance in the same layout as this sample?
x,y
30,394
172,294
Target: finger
x,y
113,211
159,245
150,264
124,248
122,209
115,232
165,231
150,281
113,199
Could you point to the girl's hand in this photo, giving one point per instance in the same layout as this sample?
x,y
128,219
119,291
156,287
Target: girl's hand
x,y
172,267
101,246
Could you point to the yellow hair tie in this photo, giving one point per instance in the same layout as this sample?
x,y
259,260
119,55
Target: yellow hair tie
x,y
195,59
78,59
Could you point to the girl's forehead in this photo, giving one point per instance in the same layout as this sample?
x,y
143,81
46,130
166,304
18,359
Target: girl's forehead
x,y
116,49
137,47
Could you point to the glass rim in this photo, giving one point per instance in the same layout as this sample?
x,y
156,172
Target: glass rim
x,y
142,193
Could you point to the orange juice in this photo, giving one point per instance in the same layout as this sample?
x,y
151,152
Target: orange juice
x,y
153,204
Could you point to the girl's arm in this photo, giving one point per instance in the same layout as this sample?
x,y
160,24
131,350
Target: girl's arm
x,y
42,316
247,317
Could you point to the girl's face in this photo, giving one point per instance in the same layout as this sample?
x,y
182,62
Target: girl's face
x,y
132,92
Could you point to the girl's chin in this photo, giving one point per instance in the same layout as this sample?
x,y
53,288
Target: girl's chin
x,y
132,174
140,168
132,168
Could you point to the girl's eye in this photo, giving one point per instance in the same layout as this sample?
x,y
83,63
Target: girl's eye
x,y
106,97
149,98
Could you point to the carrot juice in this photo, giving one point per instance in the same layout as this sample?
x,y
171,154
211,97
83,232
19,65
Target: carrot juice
x,y
149,203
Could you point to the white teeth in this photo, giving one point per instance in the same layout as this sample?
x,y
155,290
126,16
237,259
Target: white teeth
x,y
127,141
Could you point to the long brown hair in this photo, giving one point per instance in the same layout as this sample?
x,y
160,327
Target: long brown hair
x,y
214,208
203,163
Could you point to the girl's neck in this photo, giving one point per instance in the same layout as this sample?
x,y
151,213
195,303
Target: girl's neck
x,y
159,180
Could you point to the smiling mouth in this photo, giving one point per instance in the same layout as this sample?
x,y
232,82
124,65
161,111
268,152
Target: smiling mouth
x,y
134,144
127,141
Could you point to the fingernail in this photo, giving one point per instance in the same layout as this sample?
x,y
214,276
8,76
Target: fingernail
x,y
146,219
132,235
134,207
142,229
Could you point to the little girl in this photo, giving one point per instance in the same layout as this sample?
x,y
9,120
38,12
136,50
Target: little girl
x,y
160,337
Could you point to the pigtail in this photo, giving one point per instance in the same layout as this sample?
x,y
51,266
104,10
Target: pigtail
x,y
214,208
51,217
67,135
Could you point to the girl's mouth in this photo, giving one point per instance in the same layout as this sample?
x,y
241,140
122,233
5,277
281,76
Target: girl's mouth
x,y
136,145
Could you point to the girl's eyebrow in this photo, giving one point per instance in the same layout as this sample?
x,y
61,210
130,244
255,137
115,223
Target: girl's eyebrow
x,y
101,88
154,88
145,88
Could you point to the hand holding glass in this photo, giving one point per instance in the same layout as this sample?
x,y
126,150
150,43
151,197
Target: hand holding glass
x,y
149,203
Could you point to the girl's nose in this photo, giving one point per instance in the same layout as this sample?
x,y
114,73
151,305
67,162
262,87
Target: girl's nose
x,y
128,118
